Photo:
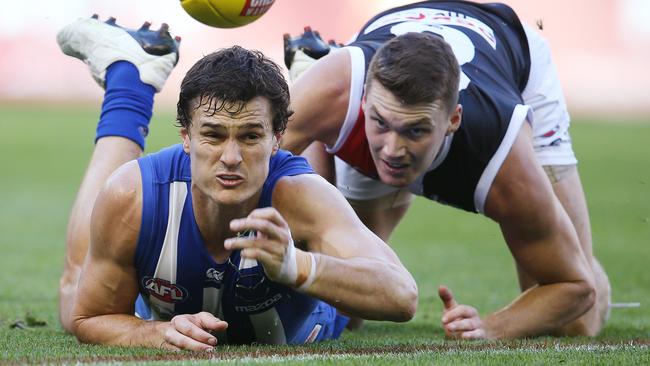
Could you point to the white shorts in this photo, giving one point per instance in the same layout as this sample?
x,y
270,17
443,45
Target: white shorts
x,y
550,124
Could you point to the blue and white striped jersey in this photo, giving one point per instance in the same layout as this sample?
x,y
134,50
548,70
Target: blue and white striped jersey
x,y
177,275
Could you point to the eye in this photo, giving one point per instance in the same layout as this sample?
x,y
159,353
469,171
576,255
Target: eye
x,y
252,137
380,124
213,136
417,132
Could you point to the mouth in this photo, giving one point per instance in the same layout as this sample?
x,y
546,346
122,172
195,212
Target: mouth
x,y
230,180
394,168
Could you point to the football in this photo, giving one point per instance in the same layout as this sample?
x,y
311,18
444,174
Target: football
x,y
226,13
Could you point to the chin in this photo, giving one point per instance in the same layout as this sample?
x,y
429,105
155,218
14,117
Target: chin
x,y
391,180
230,197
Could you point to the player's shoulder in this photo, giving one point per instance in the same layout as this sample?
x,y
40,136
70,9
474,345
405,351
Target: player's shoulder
x,y
303,191
121,196
167,165
125,182
283,164
115,221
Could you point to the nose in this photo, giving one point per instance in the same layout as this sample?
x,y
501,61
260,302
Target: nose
x,y
231,154
394,146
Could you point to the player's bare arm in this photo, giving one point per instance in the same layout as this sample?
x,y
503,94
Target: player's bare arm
x,y
103,310
355,270
319,98
543,243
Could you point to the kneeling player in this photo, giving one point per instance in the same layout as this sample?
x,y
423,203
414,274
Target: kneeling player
x,y
224,236
458,102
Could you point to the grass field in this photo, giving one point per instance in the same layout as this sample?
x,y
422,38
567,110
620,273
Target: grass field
x,y
44,153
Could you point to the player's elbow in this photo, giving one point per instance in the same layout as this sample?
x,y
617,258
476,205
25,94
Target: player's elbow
x,y
585,295
406,302
79,329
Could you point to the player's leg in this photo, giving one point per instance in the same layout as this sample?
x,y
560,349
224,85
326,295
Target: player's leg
x,y
553,149
126,111
302,51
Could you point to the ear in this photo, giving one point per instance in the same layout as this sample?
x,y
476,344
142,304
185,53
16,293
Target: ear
x,y
185,135
455,119
277,138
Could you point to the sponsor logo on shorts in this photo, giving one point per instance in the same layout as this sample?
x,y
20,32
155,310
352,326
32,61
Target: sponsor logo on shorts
x,y
164,290
256,7
260,306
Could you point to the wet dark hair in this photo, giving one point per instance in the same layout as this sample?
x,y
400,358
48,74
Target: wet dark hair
x,y
229,78
417,68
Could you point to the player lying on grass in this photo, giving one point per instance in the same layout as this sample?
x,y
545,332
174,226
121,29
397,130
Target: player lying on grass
x,y
490,136
224,236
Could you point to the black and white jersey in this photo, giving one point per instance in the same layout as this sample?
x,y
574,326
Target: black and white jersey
x,y
491,47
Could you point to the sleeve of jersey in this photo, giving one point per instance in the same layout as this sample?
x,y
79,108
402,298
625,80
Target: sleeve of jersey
x,y
282,164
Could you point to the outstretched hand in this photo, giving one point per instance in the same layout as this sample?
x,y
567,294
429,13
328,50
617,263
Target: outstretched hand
x,y
272,246
460,321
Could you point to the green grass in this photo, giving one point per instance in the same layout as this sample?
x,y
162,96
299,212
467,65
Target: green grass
x,y
45,150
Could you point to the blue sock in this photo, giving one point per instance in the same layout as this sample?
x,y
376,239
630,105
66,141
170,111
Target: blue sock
x,y
127,106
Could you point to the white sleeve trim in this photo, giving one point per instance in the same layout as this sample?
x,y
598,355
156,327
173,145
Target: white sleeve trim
x,y
520,114
357,79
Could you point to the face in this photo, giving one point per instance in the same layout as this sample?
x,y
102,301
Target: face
x,y
230,153
404,139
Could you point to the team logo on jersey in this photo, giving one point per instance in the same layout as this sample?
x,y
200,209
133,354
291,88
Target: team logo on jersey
x,y
164,290
212,274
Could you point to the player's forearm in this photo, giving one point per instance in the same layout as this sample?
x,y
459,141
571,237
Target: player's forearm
x,y
365,287
120,330
541,310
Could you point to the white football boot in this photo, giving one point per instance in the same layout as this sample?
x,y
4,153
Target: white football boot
x,y
99,44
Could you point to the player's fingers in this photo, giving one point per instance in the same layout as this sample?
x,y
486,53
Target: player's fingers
x,y
180,341
258,254
239,243
447,297
271,214
459,312
190,335
259,244
463,325
210,322
263,226
474,334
